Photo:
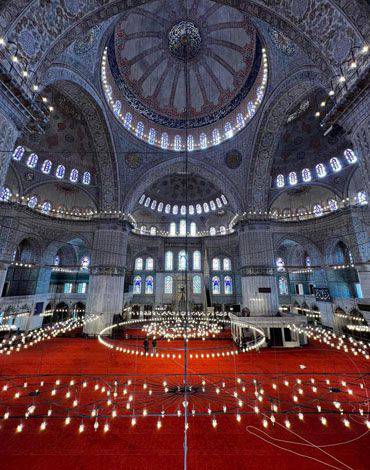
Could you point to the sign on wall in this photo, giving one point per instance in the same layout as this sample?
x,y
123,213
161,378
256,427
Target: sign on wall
x,y
322,294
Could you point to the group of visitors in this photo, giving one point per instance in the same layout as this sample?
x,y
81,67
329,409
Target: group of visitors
x,y
154,345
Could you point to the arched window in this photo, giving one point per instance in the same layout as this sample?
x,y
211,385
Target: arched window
x,y
228,286
197,284
73,177
142,230
216,136
190,143
139,129
183,210
175,209
127,121
32,202
160,207
218,202
56,260
227,264
46,167
350,156
228,130
197,261
307,261
137,285
177,142
240,120
293,178
183,262
362,198
117,107
60,171
168,285
153,230
223,230
147,202
216,264
198,208
164,140
320,170
182,228
193,229
280,264
167,209
251,109
333,204
212,205
149,285
18,153
32,160
205,207
173,229
153,205
280,181
46,207
223,199
335,164
283,286
216,288
306,175
149,264
191,209
5,194
142,199
168,261
317,210
203,141
212,231
85,262
139,264
151,137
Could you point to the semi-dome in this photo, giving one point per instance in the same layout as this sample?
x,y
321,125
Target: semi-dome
x,y
194,78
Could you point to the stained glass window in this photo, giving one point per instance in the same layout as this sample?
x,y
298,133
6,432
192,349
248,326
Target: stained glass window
x,y
151,138
293,178
60,171
160,207
223,230
149,285
127,121
333,204
280,264
203,141
228,286
85,262
168,261
228,130
216,264
197,284
320,170
193,229
190,143
362,198
227,264
177,142
117,107
139,264
73,177
5,194
198,208
283,286
175,209
164,140
46,167
280,183
137,285
182,260
350,156
306,175
149,264
317,210
153,230
172,229
335,164
32,160
46,207
86,178
216,288
212,231
32,202
139,129
216,136
168,285
56,260
182,228
18,153
197,261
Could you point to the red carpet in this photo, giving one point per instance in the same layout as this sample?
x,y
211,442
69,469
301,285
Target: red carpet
x,y
232,445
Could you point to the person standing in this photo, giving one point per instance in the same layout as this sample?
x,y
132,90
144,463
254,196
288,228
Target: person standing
x,y
154,345
146,345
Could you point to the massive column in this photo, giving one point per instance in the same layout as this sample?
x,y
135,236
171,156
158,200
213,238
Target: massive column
x,y
258,279
8,136
107,274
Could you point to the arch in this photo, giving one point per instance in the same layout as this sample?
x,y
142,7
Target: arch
x,y
305,246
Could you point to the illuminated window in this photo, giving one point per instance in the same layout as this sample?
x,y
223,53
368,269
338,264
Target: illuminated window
x,y
137,285
168,261
139,129
177,142
60,171
240,121
160,207
206,207
228,130
307,261
153,205
280,264
85,262
223,230
175,209
139,264
67,288
149,264
190,143
151,137
46,207
153,231
216,264
251,109
320,170
197,261
228,286
283,286
57,260
216,136
193,229
293,178
173,229
81,287
168,284
191,209
183,210
73,177
167,209
335,164
142,230
280,182
147,202
216,288
182,260
333,204
212,205
223,199
198,208
149,285
197,284
32,202
317,210
32,160
46,167
203,141
350,156
86,178
227,264
182,228
127,121
18,153
164,140
142,199
218,202
362,198
212,231
117,107
5,194
306,175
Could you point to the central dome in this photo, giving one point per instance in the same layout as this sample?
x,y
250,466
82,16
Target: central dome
x,y
164,75
184,40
